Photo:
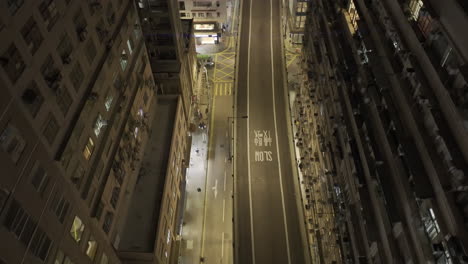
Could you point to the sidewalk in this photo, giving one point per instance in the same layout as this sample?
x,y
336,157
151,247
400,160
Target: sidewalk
x,y
195,195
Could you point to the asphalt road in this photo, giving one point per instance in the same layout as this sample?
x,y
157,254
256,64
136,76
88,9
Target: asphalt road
x,y
267,222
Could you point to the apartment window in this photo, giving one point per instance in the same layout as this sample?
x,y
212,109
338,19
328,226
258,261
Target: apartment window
x,y
201,14
202,3
98,124
39,179
64,100
32,98
110,14
51,129
123,60
115,197
90,51
78,175
91,248
50,73
108,102
19,222
209,15
49,13
181,5
59,206
40,244
130,45
65,48
60,258
218,14
137,31
12,63
31,35
194,15
76,76
12,142
104,259
88,149
108,218
14,5
77,229
80,25
183,14
101,31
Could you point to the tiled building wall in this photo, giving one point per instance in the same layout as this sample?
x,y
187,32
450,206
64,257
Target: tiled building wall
x,y
76,84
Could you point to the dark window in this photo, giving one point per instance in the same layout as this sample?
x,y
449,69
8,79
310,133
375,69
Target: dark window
x,y
32,98
12,63
65,48
40,179
115,197
90,50
110,14
108,218
12,142
60,206
14,5
181,5
64,100
31,35
80,25
51,129
51,73
40,244
49,13
76,76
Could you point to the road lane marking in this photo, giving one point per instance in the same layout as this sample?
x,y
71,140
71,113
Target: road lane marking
x,y
215,188
224,206
276,133
252,236
222,245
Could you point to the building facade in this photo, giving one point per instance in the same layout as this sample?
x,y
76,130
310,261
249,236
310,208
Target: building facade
x,y
209,16
384,99
79,100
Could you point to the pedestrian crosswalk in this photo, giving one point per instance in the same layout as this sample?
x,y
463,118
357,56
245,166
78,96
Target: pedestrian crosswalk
x,y
222,88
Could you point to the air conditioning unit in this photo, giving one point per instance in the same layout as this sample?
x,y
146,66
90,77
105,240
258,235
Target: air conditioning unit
x,y
67,59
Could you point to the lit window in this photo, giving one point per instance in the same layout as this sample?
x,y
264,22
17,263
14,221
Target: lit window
x,y
98,124
88,150
123,60
108,102
168,236
130,45
77,229
91,248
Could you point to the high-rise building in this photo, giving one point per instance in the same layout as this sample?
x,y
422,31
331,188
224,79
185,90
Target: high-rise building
x,y
209,16
385,99
88,103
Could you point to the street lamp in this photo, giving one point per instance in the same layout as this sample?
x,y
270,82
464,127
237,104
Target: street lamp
x,y
230,138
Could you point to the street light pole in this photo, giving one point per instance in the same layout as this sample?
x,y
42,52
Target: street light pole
x,y
230,133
